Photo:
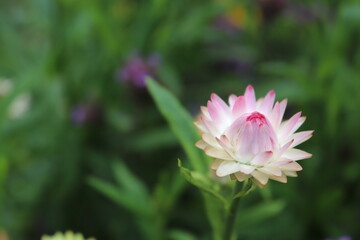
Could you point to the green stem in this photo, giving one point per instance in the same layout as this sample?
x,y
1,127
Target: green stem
x,y
231,217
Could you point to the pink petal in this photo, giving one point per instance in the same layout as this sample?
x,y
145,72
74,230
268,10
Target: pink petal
x,y
239,106
283,104
301,137
280,163
262,158
225,144
220,105
284,148
268,102
287,127
213,111
232,100
296,154
275,116
205,111
210,127
250,98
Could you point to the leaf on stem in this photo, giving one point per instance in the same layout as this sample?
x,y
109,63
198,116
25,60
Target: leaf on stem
x,y
180,122
202,182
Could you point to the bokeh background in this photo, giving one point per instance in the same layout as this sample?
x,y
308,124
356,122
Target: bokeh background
x,y
83,146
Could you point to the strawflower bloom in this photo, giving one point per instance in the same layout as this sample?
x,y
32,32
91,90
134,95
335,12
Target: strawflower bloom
x,y
68,235
250,140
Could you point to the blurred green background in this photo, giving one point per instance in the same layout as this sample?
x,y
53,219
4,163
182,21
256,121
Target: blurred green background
x,y
83,146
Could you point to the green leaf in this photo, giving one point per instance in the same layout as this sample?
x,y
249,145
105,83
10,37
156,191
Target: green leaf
x,y
202,182
130,202
129,181
180,122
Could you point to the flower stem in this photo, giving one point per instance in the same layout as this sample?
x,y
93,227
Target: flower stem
x,y
231,216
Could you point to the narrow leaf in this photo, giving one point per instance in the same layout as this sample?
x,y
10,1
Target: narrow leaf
x,y
202,182
133,204
129,181
180,122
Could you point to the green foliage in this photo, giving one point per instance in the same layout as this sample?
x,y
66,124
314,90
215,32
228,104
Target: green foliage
x,y
203,183
64,54
180,122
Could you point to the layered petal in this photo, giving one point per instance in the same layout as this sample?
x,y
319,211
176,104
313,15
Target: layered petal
x,y
249,139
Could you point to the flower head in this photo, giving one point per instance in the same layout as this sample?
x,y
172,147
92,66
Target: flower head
x,y
249,138
66,236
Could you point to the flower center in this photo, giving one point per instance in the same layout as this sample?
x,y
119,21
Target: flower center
x,y
256,118
251,134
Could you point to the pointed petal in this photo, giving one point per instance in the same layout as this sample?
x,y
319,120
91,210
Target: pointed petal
x,y
219,103
254,180
268,102
246,169
293,166
284,148
210,140
296,154
205,111
283,104
213,111
275,116
200,125
287,127
241,177
209,126
201,144
280,163
232,100
262,158
227,168
271,171
261,177
239,106
250,98
301,137
224,143
215,164
217,153
290,174
282,178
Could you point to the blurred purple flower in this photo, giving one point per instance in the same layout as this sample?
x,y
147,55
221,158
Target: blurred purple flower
x,y
84,113
137,68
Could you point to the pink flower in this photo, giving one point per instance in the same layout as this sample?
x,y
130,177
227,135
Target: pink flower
x,y
248,138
